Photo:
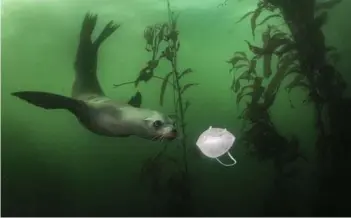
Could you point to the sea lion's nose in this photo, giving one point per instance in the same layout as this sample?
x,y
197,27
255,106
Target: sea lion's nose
x,y
172,134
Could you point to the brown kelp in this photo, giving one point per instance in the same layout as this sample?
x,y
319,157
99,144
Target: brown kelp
x,y
305,19
261,136
166,173
261,6
325,85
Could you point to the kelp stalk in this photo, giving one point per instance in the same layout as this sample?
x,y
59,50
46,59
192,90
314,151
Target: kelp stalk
x,y
179,107
163,166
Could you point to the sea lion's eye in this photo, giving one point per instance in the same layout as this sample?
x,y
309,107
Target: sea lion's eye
x,y
157,123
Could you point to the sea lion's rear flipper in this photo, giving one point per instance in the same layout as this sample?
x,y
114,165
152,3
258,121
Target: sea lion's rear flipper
x,y
86,81
52,101
110,28
135,100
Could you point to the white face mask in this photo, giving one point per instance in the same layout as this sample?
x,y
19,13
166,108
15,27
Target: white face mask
x,y
215,142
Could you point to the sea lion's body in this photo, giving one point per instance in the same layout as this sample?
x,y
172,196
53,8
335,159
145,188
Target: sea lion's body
x,y
94,110
107,117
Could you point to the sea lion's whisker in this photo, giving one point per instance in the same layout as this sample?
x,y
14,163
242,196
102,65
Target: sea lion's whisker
x,y
162,138
156,137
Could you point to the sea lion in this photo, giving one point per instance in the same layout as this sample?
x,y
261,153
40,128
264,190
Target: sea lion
x,y
94,110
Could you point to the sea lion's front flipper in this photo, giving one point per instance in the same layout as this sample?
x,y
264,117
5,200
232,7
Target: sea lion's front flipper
x,y
135,100
86,80
52,101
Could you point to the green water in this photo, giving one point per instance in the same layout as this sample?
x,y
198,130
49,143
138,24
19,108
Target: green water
x,y
52,166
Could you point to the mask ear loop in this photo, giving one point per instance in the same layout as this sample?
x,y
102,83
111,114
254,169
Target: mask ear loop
x,y
228,165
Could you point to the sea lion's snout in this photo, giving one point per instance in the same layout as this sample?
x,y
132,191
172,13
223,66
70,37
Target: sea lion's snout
x,y
171,135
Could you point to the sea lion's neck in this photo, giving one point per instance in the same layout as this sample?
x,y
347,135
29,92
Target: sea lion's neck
x,y
134,113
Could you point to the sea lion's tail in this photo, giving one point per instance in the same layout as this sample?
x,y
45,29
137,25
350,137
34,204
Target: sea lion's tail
x,y
51,101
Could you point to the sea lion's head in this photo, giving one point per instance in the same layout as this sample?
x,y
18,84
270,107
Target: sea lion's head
x,y
159,126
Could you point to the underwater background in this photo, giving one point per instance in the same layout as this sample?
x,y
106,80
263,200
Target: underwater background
x,y
53,166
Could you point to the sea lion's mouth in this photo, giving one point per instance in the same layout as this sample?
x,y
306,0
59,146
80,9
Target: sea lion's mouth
x,y
170,136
